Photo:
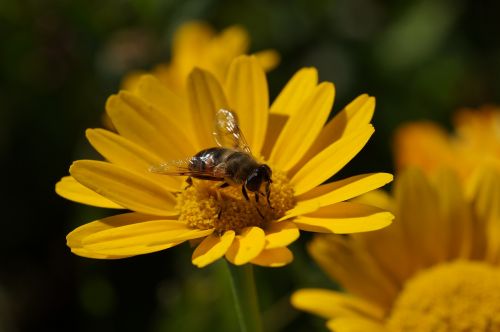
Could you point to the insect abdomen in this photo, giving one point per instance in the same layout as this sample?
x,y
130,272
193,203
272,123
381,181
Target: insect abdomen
x,y
236,165
206,160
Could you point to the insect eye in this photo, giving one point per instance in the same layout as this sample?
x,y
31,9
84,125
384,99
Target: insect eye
x,y
253,181
267,172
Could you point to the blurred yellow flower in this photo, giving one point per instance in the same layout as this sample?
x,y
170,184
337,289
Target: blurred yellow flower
x,y
436,268
154,125
196,44
476,141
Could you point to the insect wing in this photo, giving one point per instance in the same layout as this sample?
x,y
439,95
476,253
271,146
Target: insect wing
x,y
172,167
184,167
227,132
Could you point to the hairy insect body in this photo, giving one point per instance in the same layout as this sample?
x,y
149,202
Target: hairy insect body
x,y
231,162
231,166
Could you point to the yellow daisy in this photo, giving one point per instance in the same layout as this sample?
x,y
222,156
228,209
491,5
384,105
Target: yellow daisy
x,y
436,268
476,140
155,126
196,44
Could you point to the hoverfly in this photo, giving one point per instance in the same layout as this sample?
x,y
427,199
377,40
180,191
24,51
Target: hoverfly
x,y
231,162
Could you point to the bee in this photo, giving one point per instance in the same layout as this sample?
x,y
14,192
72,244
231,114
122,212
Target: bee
x,y
231,162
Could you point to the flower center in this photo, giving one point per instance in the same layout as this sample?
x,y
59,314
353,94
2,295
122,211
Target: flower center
x,y
205,205
457,296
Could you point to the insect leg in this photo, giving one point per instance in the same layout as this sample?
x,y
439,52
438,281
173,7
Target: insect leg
x,y
218,196
268,194
189,182
224,185
257,197
244,191
260,213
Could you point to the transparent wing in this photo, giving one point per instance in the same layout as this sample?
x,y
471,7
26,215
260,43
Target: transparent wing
x,y
184,167
227,132
172,167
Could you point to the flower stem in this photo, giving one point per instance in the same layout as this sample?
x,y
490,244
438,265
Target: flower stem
x,y
245,297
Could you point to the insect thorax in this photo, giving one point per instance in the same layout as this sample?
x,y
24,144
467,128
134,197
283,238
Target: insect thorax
x,y
231,165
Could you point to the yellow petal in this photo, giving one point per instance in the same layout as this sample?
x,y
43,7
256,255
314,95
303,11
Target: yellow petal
x,y
150,89
206,97
217,53
276,122
350,120
330,160
118,150
212,248
485,193
190,43
288,102
246,246
126,232
173,75
134,250
303,127
423,144
276,257
378,198
456,226
235,41
354,116
190,38
131,79
355,324
344,218
281,234
329,304
300,209
75,238
246,88
418,208
90,254
155,233
400,264
346,260
148,127
130,190
296,91
71,189
342,190
268,59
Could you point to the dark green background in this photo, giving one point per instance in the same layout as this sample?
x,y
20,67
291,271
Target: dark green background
x,y
60,60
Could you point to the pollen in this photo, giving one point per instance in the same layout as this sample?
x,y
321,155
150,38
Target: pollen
x,y
458,296
205,205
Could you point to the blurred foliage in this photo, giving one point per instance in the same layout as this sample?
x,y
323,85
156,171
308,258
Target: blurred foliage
x,y
60,60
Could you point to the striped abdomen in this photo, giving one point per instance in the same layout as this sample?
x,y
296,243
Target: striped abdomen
x,y
223,164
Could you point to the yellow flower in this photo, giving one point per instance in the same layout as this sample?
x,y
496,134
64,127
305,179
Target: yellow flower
x,y
154,125
436,268
476,141
195,44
